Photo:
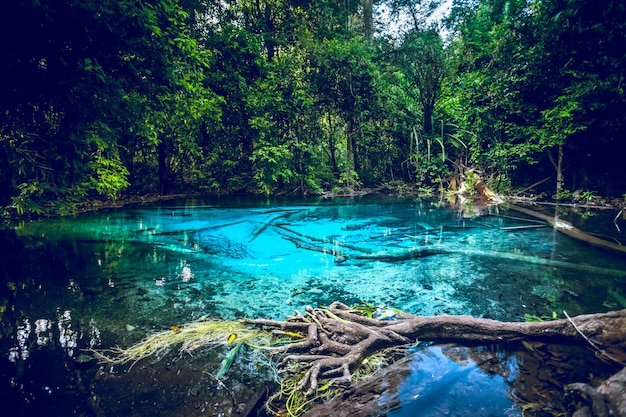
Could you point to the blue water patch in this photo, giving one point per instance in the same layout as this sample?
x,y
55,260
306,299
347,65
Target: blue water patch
x,y
233,260
112,277
448,381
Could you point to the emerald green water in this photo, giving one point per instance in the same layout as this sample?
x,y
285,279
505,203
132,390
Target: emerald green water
x,y
111,277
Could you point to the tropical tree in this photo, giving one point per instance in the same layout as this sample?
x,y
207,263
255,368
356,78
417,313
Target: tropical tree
x,y
537,80
76,78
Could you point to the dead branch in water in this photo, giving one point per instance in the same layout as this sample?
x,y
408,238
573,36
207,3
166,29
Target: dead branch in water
x,y
572,231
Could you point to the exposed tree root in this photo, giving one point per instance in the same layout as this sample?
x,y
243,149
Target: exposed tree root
x,y
609,399
326,350
340,338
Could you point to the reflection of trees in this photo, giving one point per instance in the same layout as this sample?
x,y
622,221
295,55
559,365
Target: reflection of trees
x,y
340,338
538,372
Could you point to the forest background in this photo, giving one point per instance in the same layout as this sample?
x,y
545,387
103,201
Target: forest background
x,y
108,99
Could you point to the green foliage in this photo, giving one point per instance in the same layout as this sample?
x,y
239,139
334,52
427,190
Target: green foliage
x,y
270,166
349,180
103,98
429,172
111,176
563,195
587,196
28,200
86,82
532,76
470,183
40,199
425,192
536,319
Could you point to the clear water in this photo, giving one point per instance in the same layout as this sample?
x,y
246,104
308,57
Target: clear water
x,y
448,381
111,277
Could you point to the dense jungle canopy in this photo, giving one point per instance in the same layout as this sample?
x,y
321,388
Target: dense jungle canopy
x,y
102,99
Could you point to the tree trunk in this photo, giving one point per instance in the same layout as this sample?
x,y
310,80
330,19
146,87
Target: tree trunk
x,y
340,338
351,156
572,231
332,148
355,154
368,20
269,30
558,167
428,119
559,172
7,178
163,169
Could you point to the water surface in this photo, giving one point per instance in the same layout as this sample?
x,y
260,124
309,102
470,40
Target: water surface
x,y
112,277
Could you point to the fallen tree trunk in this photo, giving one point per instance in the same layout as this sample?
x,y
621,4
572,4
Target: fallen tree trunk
x,y
572,231
339,338
327,350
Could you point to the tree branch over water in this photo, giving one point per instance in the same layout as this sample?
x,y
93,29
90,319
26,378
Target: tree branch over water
x,y
339,338
324,349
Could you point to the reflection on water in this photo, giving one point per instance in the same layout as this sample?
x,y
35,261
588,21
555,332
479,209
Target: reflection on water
x,y
448,381
111,277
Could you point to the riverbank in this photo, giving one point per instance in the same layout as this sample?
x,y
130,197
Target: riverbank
x,y
575,201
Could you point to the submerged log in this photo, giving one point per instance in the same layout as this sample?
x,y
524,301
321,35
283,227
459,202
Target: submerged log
x,y
345,253
570,230
412,253
268,223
